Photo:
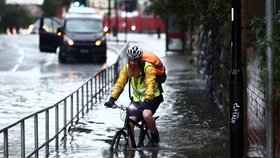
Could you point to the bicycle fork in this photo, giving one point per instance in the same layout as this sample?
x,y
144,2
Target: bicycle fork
x,y
130,133
142,134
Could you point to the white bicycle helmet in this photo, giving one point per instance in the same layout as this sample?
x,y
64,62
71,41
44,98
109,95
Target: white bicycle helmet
x,y
134,53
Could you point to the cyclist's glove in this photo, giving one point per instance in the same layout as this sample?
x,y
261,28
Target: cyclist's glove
x,y
110,103
145,105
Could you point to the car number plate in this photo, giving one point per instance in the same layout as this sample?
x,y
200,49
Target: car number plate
x,y
84,50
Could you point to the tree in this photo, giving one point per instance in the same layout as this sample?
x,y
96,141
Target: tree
x,y
49,7
194,11
14,16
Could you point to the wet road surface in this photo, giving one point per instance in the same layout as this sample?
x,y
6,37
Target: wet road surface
x,y
31,81
190,123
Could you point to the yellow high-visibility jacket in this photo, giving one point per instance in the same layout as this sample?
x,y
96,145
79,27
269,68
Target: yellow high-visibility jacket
x,y
147,89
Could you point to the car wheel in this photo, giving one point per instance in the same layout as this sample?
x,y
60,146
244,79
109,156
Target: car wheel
x,y
61,58
101,60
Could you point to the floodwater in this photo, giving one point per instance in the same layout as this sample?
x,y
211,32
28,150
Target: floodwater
x,y
190,123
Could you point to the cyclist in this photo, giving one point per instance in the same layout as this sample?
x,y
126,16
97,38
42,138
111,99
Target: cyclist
x,y
146,94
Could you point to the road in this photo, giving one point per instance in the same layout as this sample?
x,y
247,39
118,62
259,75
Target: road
x,y
31,80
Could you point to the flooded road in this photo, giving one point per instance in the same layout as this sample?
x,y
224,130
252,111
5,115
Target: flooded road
x,y
31,80
190,123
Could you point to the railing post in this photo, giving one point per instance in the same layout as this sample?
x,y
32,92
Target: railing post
x,y
112,76
83,101
87,95
47,132
115,72
22,133
91,92
72,110
65,117
6,144
36,142
95,88
56,127
109,78
77,103
99,86
105,80
102,83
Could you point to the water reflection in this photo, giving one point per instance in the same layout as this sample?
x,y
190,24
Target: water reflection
x,y
25,92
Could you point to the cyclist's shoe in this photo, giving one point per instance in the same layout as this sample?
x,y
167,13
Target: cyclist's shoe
x,y
154,140
155,136
152,144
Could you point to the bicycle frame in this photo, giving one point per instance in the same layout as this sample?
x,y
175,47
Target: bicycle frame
x,y
130,133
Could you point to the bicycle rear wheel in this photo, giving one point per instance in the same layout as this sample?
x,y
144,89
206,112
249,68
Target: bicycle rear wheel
x,y
120,141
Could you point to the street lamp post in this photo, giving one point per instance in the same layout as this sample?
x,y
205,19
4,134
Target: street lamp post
x,y
269,60
236,85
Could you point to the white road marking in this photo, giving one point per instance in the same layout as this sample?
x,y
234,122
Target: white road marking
x,y
50,61
20,60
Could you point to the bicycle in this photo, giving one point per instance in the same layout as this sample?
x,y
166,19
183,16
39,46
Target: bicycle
x,y
121,139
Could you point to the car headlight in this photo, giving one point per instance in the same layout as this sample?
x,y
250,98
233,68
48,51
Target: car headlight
x,y
69,41
59,34
98,42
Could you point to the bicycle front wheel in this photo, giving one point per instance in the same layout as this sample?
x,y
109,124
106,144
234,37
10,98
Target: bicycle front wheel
x,y
120,141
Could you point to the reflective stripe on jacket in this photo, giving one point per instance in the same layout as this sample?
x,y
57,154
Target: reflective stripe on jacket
x,y
147,89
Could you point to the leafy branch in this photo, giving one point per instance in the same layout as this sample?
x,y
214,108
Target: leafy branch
x,y
261,43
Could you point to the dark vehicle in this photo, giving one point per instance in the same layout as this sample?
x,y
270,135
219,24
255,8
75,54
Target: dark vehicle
x,y
79,37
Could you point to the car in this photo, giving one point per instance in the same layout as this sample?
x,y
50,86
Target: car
x,y
79,37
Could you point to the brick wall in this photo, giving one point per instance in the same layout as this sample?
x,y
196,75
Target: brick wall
x,y
254,102
255,106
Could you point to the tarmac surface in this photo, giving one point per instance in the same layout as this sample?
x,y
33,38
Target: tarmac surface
x,y
190,123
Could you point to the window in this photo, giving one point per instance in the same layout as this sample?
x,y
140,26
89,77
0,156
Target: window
x,y
84,25
51,25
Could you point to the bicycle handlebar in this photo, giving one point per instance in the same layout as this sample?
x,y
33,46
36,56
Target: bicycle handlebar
x,y
122,107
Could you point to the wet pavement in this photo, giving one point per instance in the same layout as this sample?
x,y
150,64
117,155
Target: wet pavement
x,y
190,123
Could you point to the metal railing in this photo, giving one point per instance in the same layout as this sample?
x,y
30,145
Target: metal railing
x,y
39,133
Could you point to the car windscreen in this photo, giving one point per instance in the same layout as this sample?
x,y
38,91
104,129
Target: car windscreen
x,y
84,25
